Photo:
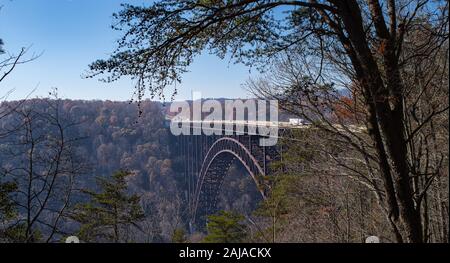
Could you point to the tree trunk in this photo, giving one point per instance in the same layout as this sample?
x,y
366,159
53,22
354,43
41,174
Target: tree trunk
x,y
386,122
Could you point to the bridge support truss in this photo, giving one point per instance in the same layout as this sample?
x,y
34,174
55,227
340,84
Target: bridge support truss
x,y
206,160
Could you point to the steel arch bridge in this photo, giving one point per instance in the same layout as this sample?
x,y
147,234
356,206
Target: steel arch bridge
x,y
214,168
206,160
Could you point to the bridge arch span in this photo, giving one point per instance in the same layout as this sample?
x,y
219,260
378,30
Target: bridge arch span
x,y
213,170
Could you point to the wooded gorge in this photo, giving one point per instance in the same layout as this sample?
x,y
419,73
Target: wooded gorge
x,y
97,139
313,199
366,83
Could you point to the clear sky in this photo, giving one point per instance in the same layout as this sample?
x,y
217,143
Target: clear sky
x,y
71,34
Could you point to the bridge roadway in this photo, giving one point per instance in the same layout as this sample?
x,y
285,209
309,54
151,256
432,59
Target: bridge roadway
x,y
281,125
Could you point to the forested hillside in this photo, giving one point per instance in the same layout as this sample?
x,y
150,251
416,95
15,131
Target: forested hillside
x,y
101,138
365,159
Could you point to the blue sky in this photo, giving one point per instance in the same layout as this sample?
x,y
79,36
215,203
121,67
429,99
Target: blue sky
x,y
71,34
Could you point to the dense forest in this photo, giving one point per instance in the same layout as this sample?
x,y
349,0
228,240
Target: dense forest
x,y
99,139
93,151
369,79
